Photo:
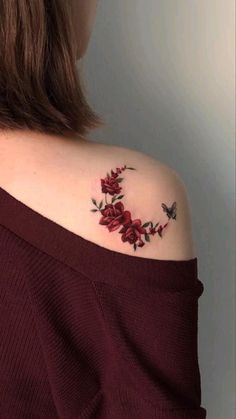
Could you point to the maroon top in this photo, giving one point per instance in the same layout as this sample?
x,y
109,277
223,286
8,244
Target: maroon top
x,y
91,333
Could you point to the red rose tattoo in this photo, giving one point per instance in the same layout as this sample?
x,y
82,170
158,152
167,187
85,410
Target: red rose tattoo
x,y
132,231
110,185
114,216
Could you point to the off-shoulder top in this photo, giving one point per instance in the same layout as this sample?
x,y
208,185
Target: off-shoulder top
x,y
91,333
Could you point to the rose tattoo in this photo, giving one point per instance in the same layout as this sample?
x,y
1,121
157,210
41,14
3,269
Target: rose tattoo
x,y
114,216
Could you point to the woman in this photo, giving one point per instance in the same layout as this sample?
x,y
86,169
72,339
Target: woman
x,y
98,284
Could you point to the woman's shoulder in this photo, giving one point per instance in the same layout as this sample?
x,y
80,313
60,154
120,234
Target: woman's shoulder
x,y
129,201
141,203
156,195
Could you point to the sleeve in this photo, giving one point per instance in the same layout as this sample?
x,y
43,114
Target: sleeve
x,y
151,323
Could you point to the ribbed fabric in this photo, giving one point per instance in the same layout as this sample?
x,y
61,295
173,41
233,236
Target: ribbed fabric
x,y
91,333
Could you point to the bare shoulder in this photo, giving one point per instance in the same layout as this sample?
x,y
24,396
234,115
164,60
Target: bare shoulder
x,y
149,200
129,201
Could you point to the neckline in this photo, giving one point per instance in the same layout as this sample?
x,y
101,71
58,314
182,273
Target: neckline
x,y
73,249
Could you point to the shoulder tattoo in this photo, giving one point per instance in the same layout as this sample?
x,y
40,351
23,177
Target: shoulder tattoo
x,y
114,216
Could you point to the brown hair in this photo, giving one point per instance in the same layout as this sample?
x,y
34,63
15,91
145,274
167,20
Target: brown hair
x,y
40,88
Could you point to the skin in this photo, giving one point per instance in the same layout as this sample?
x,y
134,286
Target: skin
x,y
84,12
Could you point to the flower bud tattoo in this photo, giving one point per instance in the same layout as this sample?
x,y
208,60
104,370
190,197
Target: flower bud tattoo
x,y
114,216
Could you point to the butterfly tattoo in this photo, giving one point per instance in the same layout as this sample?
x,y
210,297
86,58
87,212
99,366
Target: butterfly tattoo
x,y
170,212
